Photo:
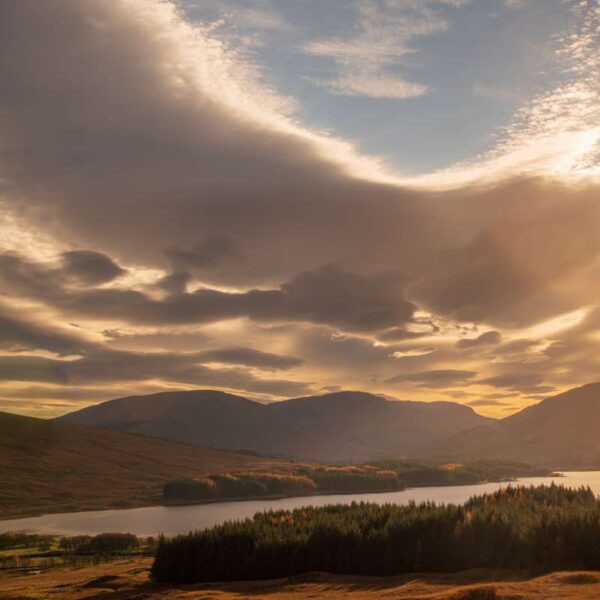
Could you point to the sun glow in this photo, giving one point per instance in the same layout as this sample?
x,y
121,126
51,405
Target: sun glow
x,y
556,324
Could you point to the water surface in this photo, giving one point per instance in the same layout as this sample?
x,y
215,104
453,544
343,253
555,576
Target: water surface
x,y
171,520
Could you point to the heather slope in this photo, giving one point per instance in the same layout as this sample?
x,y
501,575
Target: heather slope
x,y
46,466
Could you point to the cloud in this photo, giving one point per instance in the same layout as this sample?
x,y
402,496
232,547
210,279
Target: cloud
x,y
209,251
92,362
257,18
327,295
33,368
90,267
179,147
175,193
17,335
400,334
512,267
519,382
412,352
435,378
174,283
103,365
557,131
373,85
516,346
251,358
369,56
485,339
200,136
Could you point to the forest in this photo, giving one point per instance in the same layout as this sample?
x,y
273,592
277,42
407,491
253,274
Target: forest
x,y
537,528
302,481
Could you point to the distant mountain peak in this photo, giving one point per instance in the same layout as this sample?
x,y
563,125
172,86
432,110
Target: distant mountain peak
x,y
560,432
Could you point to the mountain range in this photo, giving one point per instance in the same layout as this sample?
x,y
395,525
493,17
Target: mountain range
x,y
336,427
562,431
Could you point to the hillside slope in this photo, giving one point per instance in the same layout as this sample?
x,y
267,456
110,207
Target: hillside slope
x,y
562,431
344,426
47,466
128,580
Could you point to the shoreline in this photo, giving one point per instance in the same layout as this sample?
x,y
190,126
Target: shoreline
x,y
28,514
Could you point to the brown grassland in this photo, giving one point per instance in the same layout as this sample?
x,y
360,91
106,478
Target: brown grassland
x,y
128,580
59,467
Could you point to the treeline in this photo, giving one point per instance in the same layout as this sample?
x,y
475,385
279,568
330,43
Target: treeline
x,y
237,485
542,528
300,482
352,478
416,474
32,551
103,543
12,540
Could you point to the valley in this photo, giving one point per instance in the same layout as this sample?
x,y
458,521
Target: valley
x,y
123,453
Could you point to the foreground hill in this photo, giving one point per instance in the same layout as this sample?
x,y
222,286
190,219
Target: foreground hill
x,y
344,426
47,466
128,580
560,432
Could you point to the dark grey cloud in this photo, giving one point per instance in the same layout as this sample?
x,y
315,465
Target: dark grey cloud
x,y
19,335
208,252
435,377
109,366
506,271
516,346
174,283
109,148
171,341
20,276
399,334
524,382
80,268
33,368
485,339
331,295
98,363
251,358
107,153
328,295
90,267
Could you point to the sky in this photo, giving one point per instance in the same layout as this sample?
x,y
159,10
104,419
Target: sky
x,y
281,198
